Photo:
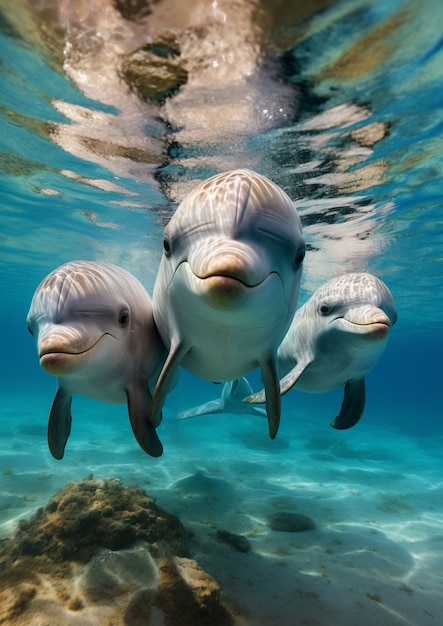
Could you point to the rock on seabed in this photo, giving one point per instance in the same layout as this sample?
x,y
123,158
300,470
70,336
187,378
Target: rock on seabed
x,y
286,521
102,553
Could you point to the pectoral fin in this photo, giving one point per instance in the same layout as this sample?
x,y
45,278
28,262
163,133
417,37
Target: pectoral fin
x,y
139,401
59,425
272,391
166,380
286,383
353,405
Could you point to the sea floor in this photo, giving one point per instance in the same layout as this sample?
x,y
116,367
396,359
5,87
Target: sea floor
x,y
374,493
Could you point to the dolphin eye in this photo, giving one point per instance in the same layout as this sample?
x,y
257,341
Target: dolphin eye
x,y
30,329
299,258
325,309
123,318
167,246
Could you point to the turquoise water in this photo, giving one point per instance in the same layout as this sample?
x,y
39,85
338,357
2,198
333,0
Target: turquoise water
x,y
348,120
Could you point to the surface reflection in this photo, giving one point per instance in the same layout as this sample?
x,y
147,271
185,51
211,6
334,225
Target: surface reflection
x,y
160,95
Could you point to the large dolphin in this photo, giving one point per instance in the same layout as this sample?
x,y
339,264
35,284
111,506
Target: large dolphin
x,y
95,332
228,283
335,339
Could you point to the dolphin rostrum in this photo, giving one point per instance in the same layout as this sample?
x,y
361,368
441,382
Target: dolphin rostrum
x,y
335,339
228,283
95,332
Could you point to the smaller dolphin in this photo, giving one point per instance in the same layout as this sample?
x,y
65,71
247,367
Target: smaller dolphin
x,y
231,401
95,332
335,339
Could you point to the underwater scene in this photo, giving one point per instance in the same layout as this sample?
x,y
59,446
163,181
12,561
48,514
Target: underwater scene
x,y
137,134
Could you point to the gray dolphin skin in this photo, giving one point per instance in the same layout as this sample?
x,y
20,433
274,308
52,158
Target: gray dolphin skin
x,y
228,284
231,401
95,332
335,339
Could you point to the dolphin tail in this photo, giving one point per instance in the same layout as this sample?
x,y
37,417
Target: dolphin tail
x,y
59,425
214,406
139,401
272,391
255,410
353,405
239,388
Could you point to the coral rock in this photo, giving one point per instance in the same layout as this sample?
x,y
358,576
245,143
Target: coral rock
x,y
103,553
239,542
189,596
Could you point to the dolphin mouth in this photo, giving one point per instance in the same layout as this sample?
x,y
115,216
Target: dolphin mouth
x,y
229,279
230,260
375,329
223,291
241,278
54,350
227,301
379,330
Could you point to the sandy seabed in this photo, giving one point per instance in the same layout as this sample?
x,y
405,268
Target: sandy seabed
x,y
374,494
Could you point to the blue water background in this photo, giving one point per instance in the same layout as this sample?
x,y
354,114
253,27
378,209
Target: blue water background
x,y
48,217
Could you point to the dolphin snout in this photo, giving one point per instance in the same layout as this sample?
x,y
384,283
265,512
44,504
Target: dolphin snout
x,y
380,331
232,259
379,324
223,291
61,350
68,340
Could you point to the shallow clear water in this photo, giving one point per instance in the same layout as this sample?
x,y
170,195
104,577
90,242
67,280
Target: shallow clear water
x,y
346,114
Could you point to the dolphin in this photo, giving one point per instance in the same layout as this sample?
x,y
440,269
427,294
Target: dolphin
x,y
231,401
228,283
94,330
335,339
